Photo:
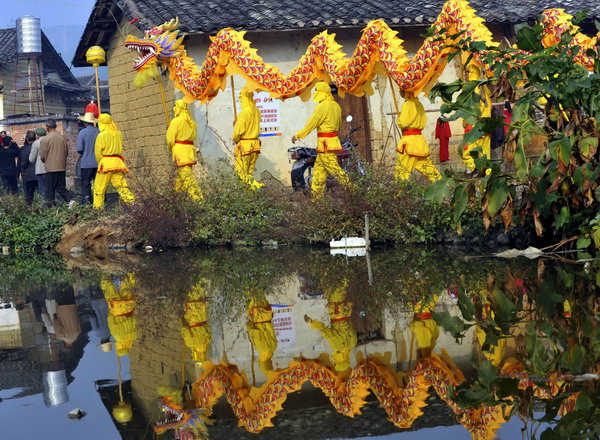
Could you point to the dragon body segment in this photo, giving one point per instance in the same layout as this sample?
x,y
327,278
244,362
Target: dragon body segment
x,y
379,51
401,396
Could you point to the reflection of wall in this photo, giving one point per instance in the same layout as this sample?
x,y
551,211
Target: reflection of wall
x,y
16,328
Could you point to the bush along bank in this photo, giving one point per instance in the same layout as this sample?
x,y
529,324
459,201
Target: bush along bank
x,y
231,214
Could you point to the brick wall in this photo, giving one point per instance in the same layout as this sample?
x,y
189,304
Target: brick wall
x,y
139,114
68,126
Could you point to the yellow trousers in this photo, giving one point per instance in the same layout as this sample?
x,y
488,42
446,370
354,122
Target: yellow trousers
x,y
117,178
244,168
406,163
327,164
485,144
186,181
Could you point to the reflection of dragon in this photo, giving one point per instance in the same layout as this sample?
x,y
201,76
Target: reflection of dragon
x,y
255,407
378,51
187,423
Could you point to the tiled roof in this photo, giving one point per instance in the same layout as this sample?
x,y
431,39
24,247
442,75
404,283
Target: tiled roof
x,y
212,15
52,62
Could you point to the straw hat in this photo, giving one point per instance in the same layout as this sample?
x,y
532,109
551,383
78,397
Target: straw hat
x,y
106,347
88,117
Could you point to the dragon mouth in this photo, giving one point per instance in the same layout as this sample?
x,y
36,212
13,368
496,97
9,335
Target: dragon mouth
x,y
147,51
173,419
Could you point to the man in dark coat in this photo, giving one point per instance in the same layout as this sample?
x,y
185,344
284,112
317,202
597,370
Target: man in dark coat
x,y
8,167
28,168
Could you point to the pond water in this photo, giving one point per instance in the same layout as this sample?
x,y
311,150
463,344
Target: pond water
x,y
298,343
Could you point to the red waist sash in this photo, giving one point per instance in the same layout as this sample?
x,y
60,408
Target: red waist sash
x,y
411,131
331,134
422,316
114,155
345,318
185,142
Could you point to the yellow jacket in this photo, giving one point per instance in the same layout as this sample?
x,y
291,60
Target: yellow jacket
x,y
326,118
260,330
247,126
121,307
181,129
412,119
109,147
423,326
341,334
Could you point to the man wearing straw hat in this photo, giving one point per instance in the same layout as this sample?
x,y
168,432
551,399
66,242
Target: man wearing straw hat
x,y
85,147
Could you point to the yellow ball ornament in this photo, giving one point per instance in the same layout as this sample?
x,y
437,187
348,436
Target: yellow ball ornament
x,y
122,412
95,56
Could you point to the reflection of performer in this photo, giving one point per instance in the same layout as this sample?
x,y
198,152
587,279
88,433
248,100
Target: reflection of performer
x,y
424,327
413,151
195,328
245,136
486,111
111,165
261,331
121,307
180,141
326,118
341,333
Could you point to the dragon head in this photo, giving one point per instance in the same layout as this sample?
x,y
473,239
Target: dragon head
x,y
188,424
159,44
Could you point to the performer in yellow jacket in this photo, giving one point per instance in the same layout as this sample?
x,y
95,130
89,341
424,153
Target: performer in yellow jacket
x,y
261,331
195,329
413,151
484,142
111,165
245,136
119,295
424,327
341,333
326,118
180,141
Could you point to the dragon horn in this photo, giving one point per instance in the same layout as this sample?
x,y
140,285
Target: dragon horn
x,y
170,25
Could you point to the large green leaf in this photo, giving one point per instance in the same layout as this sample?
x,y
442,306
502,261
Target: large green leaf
x,y
459,201
497,194
527,39
562,218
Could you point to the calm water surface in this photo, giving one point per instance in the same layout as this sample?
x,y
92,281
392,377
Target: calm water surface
x,y
278,344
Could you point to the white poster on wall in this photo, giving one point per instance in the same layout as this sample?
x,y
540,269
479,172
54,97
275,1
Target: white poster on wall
x,y
283,322
270,122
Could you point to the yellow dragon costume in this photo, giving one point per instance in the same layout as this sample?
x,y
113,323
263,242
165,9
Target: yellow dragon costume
x,y
195,328
245,136
111,164
180,141
340,333
121,311
261,330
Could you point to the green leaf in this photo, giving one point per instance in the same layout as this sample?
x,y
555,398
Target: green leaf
x,y
459,202
583,242
583,402
563,218
487,373
498,193
466,306
505,309
452,324
528,40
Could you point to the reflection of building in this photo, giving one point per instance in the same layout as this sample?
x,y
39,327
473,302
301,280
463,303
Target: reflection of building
x,y
31,359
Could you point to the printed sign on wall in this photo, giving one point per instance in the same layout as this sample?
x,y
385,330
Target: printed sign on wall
x,y
283,322
269,114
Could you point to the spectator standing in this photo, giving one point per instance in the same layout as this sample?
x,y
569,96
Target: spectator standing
x,y
85,147
28,168
8,168
34,158
54,152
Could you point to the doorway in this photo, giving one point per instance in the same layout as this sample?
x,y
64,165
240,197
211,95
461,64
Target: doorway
x,y
358,108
